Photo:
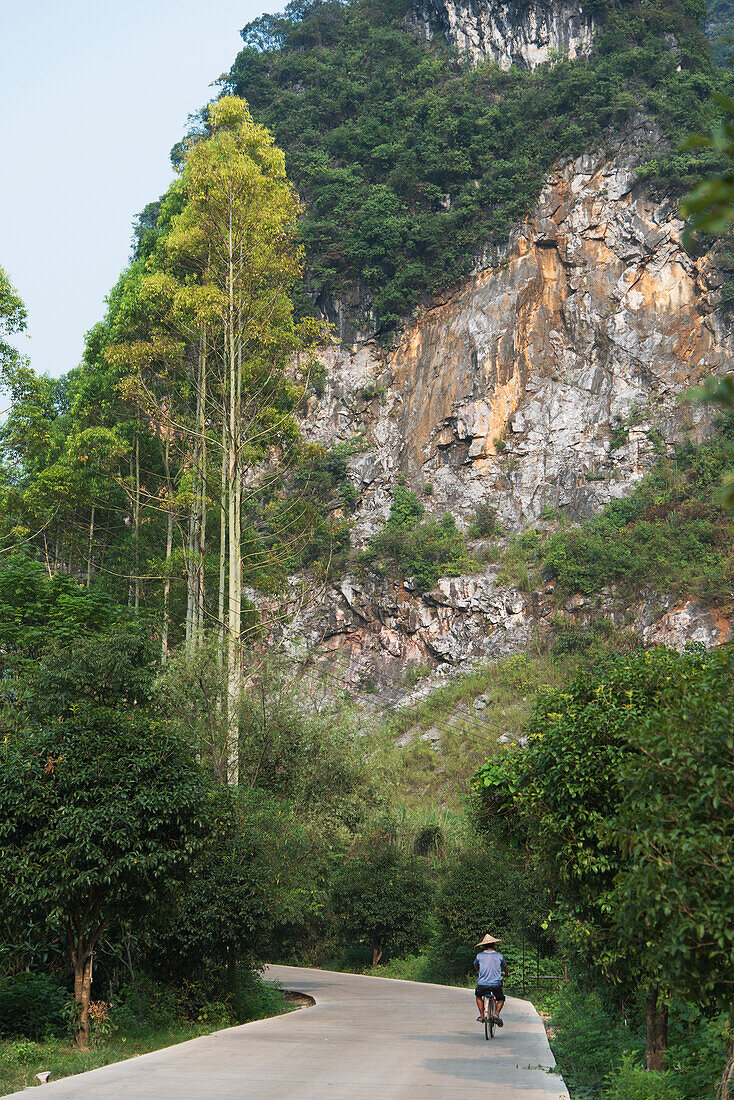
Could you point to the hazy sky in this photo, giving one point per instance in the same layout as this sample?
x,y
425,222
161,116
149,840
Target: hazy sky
x,y
93,95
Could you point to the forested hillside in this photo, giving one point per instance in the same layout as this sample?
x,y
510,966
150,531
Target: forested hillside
x,y
411,159
306,641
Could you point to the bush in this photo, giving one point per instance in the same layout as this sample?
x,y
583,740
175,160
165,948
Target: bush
x,y
484,524
33,1006
631,1082
424,550
588,1039
672,534
381,899
482,891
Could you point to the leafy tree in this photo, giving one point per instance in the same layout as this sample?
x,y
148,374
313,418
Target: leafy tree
x,y
38,610
98,812
676,890
563,793
250,879
481,891
381,900
13,319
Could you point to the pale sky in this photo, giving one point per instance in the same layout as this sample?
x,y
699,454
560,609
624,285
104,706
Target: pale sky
x,y
93,95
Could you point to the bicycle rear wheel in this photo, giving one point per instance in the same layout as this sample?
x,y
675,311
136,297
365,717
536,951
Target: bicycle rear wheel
x,y
489,1006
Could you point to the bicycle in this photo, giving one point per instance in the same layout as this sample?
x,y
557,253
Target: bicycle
x,y
489,1006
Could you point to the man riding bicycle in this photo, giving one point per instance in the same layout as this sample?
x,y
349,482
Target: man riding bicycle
x,y
490,966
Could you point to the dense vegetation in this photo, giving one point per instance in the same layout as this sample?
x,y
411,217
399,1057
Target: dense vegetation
x,y
409,159
671,534
623,797
410,546
193,810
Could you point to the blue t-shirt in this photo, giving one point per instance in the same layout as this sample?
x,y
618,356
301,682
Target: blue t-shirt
x,y
490,967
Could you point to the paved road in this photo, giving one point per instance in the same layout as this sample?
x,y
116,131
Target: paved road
x,y
365,1039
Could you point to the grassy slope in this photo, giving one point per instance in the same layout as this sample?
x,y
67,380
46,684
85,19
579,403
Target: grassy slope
x,y
436,770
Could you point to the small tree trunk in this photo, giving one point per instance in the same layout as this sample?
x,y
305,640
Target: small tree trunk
x,y
726,1085
137,522
201,575
169,550
656,1027
89,548
223,550
82,993
376,955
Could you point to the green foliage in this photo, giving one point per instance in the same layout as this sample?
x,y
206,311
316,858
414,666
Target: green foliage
x,y
409,546
409,159
482,890
98,813
221,919
720,29
672,534
13,317
589,1038
34,1006
37,610
484,524
675,826
709,208
631,1082
599,1049
562,793
109,668
592,642
381,899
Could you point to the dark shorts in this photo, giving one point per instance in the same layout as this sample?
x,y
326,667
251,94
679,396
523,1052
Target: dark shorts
x,y
495,990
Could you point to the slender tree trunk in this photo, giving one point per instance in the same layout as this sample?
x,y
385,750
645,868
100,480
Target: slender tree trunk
x,y
656,1030
190,570
726,1085
169,550
48,563
82,960
234,654
89,548
201,572
223,543
137,523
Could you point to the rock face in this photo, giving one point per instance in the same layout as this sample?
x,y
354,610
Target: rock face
x,y
551,378
525,33
370,631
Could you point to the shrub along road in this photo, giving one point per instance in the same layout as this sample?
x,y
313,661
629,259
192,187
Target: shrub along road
x,y
364,1038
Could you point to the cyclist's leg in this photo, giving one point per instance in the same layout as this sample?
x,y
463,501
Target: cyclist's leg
x,y
499,1000
480,1005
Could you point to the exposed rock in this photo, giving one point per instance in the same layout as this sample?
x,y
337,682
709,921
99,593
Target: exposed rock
x,y
463,621
524,32
550,378
594,317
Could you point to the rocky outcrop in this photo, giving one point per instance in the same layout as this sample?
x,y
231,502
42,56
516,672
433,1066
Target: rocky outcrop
x,y
553,376
524,32
364,631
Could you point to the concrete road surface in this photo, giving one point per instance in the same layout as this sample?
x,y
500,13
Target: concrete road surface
x,y
365,1039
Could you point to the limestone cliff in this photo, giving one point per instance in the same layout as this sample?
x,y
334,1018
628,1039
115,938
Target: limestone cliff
x,y
510,32
508,391
551,377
